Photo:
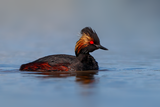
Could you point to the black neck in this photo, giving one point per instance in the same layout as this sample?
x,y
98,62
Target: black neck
x,y
83,57
88,61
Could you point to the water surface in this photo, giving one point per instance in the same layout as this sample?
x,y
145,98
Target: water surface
x,y
120,81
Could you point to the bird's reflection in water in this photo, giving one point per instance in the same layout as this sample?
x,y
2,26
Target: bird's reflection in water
x,y
84,77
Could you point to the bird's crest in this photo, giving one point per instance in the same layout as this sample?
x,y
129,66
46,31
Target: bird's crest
x,y
85,40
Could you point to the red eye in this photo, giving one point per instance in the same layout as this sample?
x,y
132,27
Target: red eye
x,y
91,42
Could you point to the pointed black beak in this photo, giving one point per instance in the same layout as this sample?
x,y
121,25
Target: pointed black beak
x,y
101,47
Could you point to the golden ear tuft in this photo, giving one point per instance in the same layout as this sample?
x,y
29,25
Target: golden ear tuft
x,y
83,42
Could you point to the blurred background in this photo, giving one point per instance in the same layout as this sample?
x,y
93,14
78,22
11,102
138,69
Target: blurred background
x,y
129,72
30,29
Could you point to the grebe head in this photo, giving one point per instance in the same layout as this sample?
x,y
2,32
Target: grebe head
x,y
88,42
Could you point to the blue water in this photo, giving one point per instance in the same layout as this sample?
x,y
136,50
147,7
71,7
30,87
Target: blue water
x,y
120,81
129,74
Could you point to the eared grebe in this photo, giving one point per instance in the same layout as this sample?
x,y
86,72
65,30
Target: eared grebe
x,y
88,42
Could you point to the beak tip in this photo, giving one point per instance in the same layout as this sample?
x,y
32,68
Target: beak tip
x,y
101,47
